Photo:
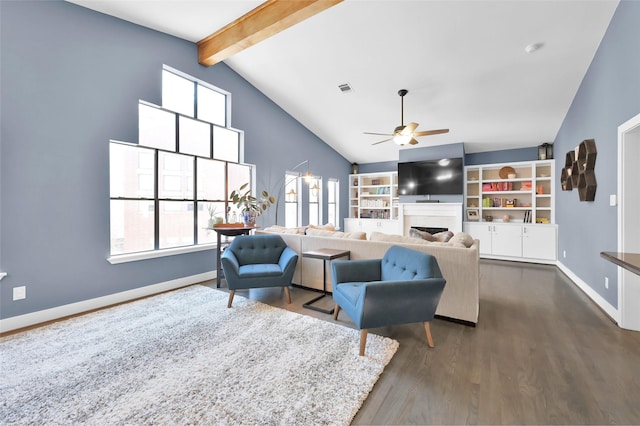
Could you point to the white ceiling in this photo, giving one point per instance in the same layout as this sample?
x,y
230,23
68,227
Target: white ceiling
x,y
463,62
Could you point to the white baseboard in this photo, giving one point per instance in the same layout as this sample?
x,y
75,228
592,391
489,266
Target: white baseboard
x,y
26,320
593,295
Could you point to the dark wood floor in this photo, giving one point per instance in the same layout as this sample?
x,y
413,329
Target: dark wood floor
x,y
542,353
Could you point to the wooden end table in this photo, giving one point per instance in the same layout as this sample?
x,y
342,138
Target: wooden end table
x,y
326,255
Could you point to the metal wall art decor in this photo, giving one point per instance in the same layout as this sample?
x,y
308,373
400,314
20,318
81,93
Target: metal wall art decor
x,y
578,171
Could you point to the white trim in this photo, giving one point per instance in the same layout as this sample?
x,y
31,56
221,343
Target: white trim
x,y
132,257
2,275
593,295
623,244
26,320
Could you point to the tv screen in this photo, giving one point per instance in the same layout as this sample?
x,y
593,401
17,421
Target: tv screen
x,y
431,177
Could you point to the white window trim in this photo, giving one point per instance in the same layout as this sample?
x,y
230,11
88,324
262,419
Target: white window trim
x,y
152,254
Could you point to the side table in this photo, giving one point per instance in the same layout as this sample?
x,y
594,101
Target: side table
x,y
326,255
228,230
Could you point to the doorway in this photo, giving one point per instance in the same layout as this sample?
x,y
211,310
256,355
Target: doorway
x,y
628,223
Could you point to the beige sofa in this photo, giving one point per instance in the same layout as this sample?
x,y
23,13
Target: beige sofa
x,y
459,264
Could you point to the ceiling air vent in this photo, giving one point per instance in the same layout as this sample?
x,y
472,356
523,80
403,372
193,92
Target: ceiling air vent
x,y
345,88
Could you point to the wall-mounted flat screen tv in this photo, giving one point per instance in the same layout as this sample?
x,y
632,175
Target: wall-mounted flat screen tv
x,y
431,177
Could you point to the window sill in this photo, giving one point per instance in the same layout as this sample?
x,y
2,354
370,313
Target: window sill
x,y
133,257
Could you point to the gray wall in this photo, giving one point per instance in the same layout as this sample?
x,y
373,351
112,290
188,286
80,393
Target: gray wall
x,y
71,80
608,96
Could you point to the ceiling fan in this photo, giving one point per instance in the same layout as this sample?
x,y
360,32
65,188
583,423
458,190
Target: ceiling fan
x,y
402,134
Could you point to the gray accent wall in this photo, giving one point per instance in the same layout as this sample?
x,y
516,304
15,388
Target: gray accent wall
x,y
71,80
608,96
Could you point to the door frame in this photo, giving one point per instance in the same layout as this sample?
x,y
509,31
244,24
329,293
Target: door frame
x,y
628,204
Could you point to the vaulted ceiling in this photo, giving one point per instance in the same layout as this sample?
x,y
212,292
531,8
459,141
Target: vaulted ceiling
x,y
463,62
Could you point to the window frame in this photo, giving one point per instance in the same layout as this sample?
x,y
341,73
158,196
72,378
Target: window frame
x,y
192,187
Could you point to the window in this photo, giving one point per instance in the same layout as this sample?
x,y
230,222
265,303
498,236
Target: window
x,y
167,190
333,204
292,211
315,201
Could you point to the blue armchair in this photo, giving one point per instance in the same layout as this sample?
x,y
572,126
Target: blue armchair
x,y
253,261
403,287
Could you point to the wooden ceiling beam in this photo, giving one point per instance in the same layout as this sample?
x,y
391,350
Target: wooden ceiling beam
x,y
266,20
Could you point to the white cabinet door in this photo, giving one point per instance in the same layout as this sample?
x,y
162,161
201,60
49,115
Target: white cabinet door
x,y
351,225
482,232
539,242
390,227
506,240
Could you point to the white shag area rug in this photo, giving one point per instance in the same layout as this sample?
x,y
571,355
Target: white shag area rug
x,y
184,358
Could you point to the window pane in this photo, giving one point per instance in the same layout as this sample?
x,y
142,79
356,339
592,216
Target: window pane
x,y
195,137
131,171
177,93
239,174
211,179
176,223
226,144
212,106
175,176
132,226
291,215
156,128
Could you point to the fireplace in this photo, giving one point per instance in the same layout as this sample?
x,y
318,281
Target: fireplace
x,y
429,229
446,216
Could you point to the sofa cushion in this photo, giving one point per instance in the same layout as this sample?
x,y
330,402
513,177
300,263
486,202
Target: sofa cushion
x,y
325,227
337,234
394,238
282,230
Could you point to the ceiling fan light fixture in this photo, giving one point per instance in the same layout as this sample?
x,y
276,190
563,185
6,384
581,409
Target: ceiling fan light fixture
x,y
401,139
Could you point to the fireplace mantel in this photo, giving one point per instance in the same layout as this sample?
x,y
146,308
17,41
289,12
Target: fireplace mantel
x,y
434,215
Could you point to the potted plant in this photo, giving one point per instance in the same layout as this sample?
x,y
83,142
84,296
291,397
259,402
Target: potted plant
x,y
251,207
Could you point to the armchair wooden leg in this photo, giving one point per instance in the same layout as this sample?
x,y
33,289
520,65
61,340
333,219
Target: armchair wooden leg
x,y
336,311
287,294
363,341
231,294
427,330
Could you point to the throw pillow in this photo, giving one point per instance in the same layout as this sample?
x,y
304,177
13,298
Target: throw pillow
x,y
416,233
462,238
442,237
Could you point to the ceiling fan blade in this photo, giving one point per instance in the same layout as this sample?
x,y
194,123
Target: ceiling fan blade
x,y
377,134
409,128
385,140
430,132
413,141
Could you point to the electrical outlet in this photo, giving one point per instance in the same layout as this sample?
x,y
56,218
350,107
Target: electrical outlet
x,y
564,254
606,282
19,293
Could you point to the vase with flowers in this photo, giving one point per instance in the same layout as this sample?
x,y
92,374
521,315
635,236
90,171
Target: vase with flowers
x,y
251,207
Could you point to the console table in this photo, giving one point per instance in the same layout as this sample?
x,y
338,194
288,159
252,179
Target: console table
x,y
629,261
326,255
228,230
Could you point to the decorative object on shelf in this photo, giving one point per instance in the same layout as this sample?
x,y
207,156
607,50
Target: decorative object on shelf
x,y
213,218
506,218
488,218
545,151
578,171
251,207
354,169
511,175
472,214
506,171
